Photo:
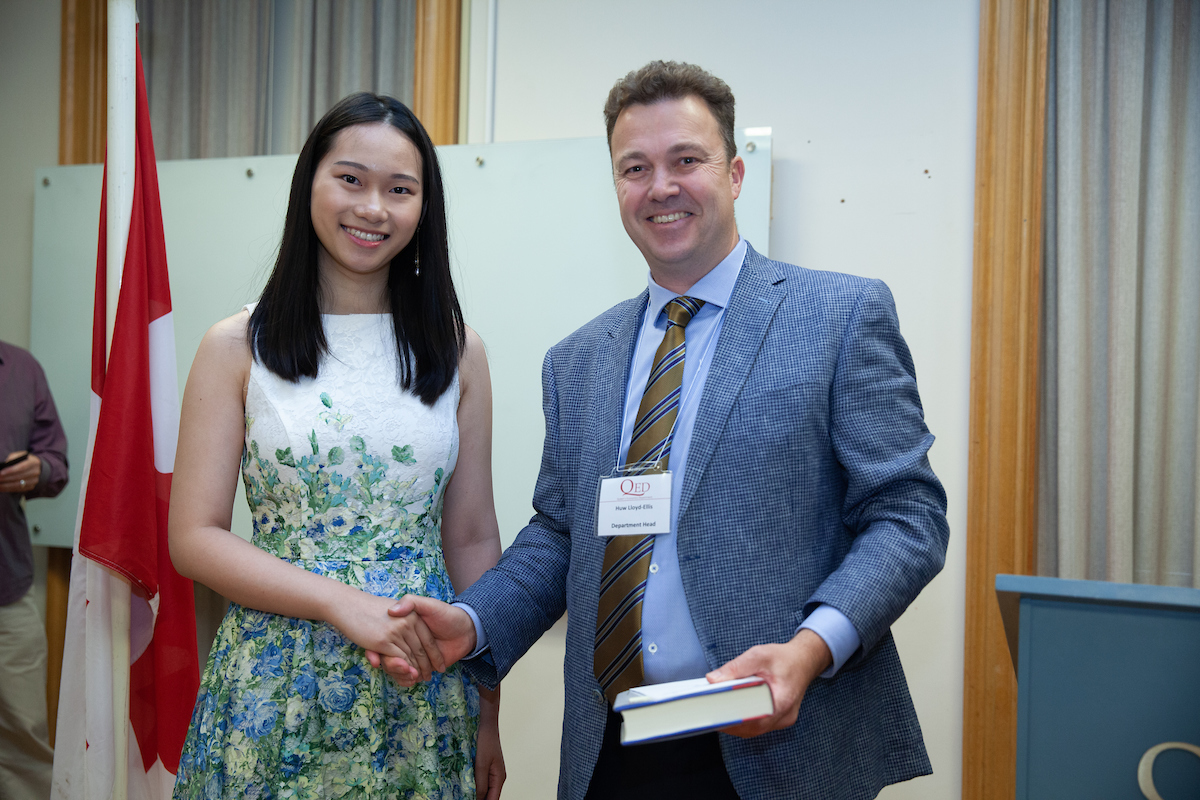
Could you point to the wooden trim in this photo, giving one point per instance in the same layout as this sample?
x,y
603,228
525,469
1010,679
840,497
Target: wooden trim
x,y
82,103
464,71
58,583
1005,325
435,77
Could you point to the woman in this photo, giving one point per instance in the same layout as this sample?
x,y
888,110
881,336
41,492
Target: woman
x,y
358,406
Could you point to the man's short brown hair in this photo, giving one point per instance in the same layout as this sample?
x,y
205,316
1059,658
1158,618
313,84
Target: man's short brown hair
x,y
672,80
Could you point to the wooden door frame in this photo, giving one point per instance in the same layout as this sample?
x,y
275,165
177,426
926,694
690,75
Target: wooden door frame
x,y
1005,330
83,82
435,78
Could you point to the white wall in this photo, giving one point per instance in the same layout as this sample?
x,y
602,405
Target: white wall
x,y
29,56
29,64
872,106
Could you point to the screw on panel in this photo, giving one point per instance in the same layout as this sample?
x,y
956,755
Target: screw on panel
x,y
479,161
249,173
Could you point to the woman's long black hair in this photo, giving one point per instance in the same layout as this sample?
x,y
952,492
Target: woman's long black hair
x,y
286,334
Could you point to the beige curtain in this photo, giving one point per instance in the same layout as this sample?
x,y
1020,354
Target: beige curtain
x,y
252,77
1119,494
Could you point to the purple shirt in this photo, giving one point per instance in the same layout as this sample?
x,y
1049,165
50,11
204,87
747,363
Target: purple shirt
x,y
28,421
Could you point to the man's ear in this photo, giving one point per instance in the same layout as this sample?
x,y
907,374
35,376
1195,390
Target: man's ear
x,y
737,172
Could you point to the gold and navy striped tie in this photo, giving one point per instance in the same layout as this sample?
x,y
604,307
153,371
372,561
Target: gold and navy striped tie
x,y
618,658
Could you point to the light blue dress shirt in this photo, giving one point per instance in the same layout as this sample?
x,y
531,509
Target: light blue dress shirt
x,y
671,650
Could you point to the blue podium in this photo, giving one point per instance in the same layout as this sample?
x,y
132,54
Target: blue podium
x,y
1108,688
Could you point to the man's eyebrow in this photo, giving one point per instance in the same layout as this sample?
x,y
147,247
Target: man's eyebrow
x,y
403,176
682,146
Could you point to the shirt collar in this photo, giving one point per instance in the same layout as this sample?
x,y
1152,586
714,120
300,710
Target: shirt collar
x,y
714,288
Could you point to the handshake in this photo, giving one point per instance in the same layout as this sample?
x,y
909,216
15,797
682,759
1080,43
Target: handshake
x,y
435,636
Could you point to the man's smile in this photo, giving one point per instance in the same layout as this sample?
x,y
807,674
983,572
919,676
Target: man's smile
x,y
678,215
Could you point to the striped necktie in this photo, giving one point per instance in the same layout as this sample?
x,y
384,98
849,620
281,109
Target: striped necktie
x,y
618,657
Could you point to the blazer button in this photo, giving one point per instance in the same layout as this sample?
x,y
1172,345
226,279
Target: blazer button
x,y
599,695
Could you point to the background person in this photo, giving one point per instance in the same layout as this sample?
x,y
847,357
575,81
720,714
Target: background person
x,y
29,427
358,405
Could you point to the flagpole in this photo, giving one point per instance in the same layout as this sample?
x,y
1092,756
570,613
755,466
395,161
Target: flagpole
x,y
121,152
122,138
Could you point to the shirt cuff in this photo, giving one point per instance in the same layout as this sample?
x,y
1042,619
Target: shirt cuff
x,y
481,641
834,628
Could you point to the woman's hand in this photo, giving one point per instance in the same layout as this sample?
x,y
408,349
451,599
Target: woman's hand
x,y
489,760
364,620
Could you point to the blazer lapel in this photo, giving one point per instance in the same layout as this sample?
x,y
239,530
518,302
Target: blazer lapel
x,y
614,353
612,380
756,296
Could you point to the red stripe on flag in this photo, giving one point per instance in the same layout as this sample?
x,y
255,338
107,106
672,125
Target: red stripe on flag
x,y
157,680
119,514
158,287
124,523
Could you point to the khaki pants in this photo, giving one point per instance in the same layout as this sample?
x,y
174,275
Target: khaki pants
x,y
25,756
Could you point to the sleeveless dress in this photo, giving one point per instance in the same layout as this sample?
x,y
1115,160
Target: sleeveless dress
x,y
345,476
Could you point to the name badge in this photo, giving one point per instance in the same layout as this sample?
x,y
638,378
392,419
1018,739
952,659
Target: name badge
x,y
632,504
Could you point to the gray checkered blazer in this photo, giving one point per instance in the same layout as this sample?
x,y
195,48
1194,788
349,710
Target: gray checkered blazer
x,y
807,483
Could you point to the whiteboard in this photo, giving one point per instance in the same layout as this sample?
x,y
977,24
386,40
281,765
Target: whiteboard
x,y
532,226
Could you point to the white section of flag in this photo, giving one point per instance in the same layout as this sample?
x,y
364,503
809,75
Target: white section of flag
x,y
84,757
164,392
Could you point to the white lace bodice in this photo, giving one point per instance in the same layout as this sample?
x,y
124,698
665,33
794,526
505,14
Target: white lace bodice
x,y
348,465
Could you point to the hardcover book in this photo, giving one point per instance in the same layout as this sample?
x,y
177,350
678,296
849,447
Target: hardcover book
x,y
686,708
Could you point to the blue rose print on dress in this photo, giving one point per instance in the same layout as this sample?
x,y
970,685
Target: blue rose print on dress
x,y
269,662
328,643
290,707
257,716
437,586
381,582
213,787
255,625
336,693
305,682
290,764
344,738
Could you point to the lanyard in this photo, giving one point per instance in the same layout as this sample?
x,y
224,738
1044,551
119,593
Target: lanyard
x,y
704,356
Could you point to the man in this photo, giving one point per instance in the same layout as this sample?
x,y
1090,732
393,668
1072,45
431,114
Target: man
x,y
36,447
804,515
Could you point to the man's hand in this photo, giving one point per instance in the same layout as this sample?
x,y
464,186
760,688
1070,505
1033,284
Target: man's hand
x,y
23,477
451,627
787,668
366,620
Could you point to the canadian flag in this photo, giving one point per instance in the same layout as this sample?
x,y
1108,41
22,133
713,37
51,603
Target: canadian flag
x,y
130,676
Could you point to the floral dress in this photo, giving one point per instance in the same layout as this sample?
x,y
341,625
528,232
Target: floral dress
x,y
345,477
